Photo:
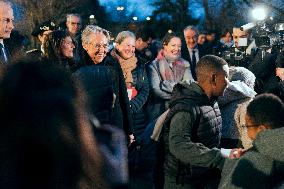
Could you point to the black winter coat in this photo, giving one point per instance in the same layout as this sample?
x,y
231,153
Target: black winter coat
x,y
98,84
141,84
121,116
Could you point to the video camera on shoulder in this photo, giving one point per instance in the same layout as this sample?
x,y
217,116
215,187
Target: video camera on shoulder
x,y
266,31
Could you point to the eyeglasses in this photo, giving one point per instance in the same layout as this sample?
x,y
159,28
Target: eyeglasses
x,y
98,46
7,20
247,126
75,23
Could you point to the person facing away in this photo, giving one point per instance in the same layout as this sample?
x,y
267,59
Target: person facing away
x,y
192,129
58,47
232,104
261,166
95,41
164,72
46,139
6,27
192,51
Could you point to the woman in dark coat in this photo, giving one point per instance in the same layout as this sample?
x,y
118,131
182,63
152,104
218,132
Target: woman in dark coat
x,y
58,47
95,42
135,78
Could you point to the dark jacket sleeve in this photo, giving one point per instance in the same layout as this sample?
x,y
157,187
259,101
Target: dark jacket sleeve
x,y
138,102
124,101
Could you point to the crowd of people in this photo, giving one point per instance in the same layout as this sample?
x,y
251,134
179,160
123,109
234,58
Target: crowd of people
x,y
83,112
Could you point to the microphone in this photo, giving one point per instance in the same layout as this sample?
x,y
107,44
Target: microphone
x,y
248,26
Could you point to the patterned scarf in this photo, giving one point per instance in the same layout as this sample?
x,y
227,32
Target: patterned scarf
x,y
126,65
174,73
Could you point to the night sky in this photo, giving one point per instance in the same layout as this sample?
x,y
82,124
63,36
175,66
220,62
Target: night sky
x,y
144,8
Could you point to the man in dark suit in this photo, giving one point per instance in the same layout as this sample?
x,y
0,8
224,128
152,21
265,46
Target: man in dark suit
x,y
192,52
6,27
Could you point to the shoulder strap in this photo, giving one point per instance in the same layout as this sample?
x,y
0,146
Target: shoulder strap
x,y
189,106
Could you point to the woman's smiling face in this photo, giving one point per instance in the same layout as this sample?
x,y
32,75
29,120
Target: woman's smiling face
x,y
173,48
126,48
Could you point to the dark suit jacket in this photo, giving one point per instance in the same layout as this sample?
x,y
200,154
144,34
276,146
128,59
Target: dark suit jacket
x,y
185,55
7,54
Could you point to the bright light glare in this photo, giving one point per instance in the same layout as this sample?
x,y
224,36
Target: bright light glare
x,y
92,16
170,31
120,8
135,18
148,18
259,13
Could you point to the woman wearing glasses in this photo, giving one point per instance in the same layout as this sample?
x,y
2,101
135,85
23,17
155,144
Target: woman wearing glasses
x,y
95,41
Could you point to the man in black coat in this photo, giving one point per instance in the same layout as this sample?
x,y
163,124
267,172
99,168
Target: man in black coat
x,y
192,52
6,27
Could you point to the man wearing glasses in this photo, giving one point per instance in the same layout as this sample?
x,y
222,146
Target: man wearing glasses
x,y
6,27
73,27
73,24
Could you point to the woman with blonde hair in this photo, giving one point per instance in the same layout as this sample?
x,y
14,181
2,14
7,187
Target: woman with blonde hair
x,y
164,72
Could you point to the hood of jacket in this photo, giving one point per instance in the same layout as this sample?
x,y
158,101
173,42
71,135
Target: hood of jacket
x,y
185,91
236,90
270,143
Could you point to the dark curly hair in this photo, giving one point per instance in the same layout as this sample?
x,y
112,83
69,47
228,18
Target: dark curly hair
x,y
53,43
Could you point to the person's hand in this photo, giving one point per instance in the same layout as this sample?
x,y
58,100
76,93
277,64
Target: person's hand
x,y
236,153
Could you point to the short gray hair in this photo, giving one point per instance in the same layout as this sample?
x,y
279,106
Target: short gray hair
x,y
95,30
123,35
68,16
190,27
5,2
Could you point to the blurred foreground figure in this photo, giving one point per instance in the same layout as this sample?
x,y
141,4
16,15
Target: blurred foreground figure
x,y
46,139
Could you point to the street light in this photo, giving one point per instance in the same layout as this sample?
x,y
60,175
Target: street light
x,y
259,13
135,18
148,18
120,8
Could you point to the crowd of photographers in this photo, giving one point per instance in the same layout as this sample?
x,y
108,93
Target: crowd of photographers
x,y
187,112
